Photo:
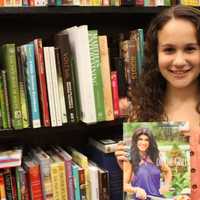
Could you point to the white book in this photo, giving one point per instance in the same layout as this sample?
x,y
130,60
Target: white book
x,y
55,86
49,87
94,181
78,37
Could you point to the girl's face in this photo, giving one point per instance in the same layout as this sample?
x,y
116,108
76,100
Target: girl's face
x,y
179,54
143,143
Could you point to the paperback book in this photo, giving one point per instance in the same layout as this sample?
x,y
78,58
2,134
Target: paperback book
x,y
159,160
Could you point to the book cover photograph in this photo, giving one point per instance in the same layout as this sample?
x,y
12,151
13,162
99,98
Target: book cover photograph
x,y
158,165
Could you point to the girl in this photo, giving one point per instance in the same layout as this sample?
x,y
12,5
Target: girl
x,y
169,88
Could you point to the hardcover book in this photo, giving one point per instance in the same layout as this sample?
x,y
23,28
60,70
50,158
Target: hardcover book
x,y
159,156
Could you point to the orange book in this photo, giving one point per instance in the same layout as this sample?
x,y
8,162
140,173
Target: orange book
x,y
2,187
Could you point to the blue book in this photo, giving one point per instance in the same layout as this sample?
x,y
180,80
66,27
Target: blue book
x,y
75,175
32,84
108,162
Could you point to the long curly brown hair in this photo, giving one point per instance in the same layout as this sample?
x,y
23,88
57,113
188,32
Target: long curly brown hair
x,y
148,96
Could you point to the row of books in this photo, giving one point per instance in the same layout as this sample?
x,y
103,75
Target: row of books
x,y
68,82
145,3
56,173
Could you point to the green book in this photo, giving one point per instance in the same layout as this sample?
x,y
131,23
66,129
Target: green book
x,y
3,106
96,75
8,56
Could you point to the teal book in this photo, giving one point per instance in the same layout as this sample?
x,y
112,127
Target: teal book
x,y
31,82
96,74
159,154
75,174
8,60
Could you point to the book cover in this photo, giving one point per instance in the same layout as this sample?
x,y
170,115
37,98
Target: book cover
x,y
159,156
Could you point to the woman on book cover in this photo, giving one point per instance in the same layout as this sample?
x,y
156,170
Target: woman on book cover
x,y
142,175
169,86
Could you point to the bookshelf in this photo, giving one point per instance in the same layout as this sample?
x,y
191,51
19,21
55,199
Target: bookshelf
x,y
21,25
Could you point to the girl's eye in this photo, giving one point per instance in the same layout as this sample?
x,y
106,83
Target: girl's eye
x,y
191,49
169,50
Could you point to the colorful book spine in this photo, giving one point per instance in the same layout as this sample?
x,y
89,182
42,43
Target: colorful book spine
x,y
10,64
96,75
34,182
44,161
68,170
21,60
42,87
75,175
32,84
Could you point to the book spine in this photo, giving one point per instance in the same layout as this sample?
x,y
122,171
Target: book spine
x,y
75,174
35,182
69,84
32,85
115,93
55,181
22,87
42,81
3,105
105,72
55,86
60,87
17,175
13,86
49,87
8,183
62,180
96,75
2,187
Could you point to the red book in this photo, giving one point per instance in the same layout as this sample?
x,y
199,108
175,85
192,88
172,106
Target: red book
x,y
42,81
33,177
115,93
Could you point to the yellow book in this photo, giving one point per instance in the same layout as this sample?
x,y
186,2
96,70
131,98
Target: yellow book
x,y
106,80
59,176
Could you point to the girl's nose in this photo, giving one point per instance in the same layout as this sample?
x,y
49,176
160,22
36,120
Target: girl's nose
x,y
179,60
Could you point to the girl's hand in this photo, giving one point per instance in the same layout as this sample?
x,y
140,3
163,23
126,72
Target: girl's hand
x,y
121,154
